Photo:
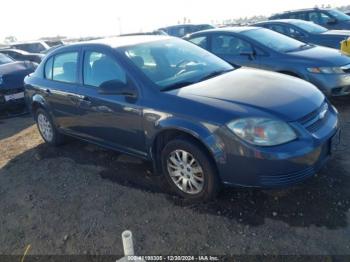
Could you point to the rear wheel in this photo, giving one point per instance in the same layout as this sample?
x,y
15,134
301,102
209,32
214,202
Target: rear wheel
x,y
189,170
47,129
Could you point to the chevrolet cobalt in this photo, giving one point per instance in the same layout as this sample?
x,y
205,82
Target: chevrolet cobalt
x,y
200,121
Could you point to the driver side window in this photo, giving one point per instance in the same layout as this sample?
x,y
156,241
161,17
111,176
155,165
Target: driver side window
x,y
99,68
229,45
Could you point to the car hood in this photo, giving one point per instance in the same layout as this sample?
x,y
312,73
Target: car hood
x,y
19,67
283,96
340,33
13,73
325,55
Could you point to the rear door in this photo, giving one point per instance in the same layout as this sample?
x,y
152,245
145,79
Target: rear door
x,y
60,88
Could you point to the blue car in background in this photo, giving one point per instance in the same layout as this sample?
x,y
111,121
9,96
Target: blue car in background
x,y
262,48
307,32
12,74
200,121
185,29
332,19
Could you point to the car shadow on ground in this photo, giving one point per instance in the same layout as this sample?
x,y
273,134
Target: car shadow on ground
x,y
17,123
322,201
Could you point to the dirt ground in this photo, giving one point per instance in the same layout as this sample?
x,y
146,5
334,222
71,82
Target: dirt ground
x,y
79,198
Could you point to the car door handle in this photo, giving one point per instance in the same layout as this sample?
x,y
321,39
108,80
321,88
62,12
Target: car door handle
x,y
85,100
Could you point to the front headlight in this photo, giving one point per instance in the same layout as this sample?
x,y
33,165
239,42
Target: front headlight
x,y
262,131
326,70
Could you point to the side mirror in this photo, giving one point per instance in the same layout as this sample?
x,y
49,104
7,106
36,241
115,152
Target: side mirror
x,y
117,87
332,21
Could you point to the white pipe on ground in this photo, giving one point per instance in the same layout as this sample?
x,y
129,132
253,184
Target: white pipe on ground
x,y
128,244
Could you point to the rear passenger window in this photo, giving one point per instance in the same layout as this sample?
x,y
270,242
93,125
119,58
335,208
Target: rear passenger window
x,y
65,67
200,41
99,68
229,45
48,68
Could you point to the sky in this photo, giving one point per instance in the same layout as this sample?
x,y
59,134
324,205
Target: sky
x,y
32,19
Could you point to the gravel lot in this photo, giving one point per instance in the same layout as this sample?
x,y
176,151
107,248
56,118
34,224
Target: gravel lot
x,y
79,198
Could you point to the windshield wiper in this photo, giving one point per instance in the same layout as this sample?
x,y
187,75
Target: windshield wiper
x,y
176,86
214,74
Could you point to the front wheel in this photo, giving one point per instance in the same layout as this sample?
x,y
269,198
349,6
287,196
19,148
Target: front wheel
x,y
189,170
47,129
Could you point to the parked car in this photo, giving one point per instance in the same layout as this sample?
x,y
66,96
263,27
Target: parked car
x,y
20,55
12,74
31,47
330,18
307,32
262,48
200,121
182,30
52,43
155,32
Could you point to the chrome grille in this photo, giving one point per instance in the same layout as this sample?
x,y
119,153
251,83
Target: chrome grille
x,y
316,119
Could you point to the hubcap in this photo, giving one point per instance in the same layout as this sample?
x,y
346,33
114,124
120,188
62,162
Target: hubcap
x,y
45,127
185,171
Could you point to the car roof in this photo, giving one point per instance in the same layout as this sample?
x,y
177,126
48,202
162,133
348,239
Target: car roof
x,y
301,10
120,41
181,25
235,29
284,21
14,50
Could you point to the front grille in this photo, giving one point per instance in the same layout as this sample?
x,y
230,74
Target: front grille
x,y
346,68
316,119
287,179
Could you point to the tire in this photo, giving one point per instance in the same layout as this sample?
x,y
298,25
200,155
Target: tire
x,y
198,186
44,123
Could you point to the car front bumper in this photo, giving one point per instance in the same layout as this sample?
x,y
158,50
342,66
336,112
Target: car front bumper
x,y
279,166
14,102
331,84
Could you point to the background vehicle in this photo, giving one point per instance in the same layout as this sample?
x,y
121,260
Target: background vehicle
x,y
12,74
307,32
20,55
31,47
329,18
156,32
198,120
52,43
262,48
182,30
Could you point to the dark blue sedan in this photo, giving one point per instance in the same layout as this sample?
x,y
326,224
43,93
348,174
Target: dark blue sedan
x,y
201,122
262,48
307,32
12,74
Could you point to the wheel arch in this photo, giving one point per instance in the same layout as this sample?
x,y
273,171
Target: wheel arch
x,y
201,136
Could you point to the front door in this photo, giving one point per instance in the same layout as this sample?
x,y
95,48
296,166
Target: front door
x,y
234,50
112,120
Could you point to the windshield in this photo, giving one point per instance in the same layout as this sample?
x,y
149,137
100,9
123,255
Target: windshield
x,y
175,62
274,40
5,59
311,27
339,15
